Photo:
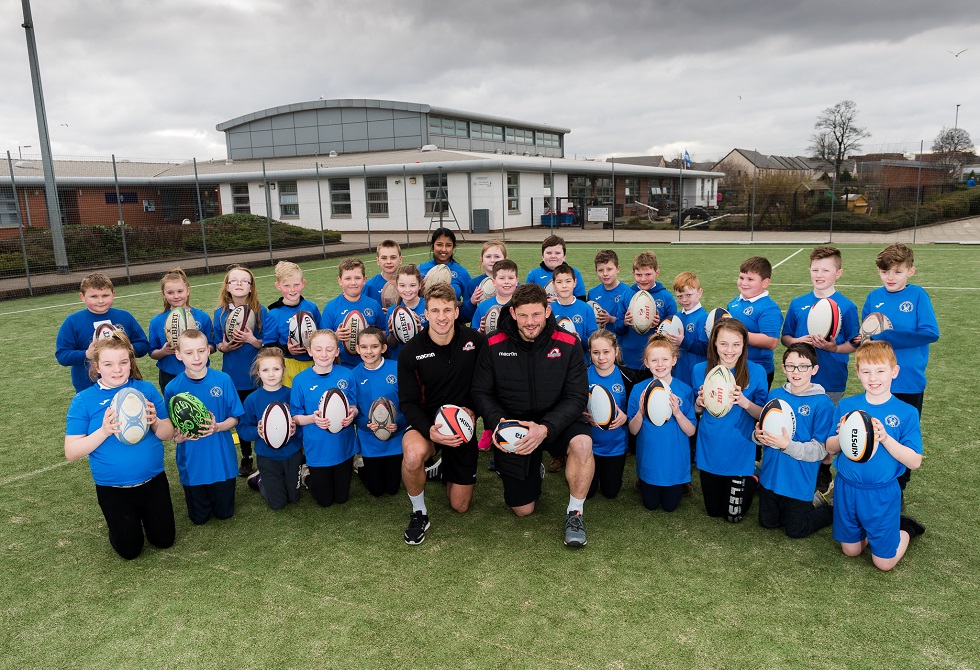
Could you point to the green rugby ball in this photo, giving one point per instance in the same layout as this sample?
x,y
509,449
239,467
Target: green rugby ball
x,y
188,414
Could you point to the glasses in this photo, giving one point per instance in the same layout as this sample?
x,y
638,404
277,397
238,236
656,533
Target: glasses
x,y
796,368
239,282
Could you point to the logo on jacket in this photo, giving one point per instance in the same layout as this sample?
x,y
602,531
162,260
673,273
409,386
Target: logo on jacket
x,y
906,307
892,421
506,353
421,357
554,353
469,346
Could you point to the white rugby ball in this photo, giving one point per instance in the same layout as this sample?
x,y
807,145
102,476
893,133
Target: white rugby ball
x,y
492,318
389,295
507,433
302,325
875,324
276,421
454,420
857,437
550,289
566,324
777,415
382,412
334,406
717,314
130,408
672,326
488,288
438,274
656,402
719,384
178,320
643,308
239,319
602,406
103,332
404,324
356,322
824,319
598,312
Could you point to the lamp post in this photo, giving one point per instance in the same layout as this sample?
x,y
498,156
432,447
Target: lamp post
x,y
956,122
20,150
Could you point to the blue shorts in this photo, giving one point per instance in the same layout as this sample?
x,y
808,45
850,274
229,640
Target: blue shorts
x,y
868,513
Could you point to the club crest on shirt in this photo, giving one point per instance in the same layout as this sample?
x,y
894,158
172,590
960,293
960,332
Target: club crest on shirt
x,y
577,318
892,421
747,311
554,353
469,346
690,327
906,307
618,388
368,312
391,379
804,410
342,384
215,391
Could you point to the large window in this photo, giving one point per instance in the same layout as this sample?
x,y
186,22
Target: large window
x,y
451,127
239,199
547,139
377,196
513,191
520,136
436,199
594,190
632,189
9,211
340,197
486,131
288,199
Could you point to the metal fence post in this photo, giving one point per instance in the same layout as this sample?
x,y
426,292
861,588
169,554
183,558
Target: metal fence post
x,y
918,185
20,224
122,224
319,201
200,215
833,201
408,235
367,206
268,208
614,201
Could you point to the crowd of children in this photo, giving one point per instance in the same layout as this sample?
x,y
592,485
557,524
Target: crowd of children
x,y
268,361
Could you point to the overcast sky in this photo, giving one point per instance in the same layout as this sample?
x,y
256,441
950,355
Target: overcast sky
x,y
151,79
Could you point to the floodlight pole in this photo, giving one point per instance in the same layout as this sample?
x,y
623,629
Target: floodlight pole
x,y
50,187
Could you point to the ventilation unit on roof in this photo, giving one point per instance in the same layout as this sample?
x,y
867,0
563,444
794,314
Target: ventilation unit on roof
x,y
332,154
429,147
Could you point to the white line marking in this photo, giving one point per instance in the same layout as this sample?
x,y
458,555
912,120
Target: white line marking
x,y
787,258
928,288
13,478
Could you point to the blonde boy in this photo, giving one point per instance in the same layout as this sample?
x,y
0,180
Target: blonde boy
x,y
693,345
289,282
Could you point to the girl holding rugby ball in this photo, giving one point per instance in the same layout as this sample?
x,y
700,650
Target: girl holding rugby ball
x,y
130,483
608,446
176,292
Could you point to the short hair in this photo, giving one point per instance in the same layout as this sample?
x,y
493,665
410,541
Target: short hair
x,y
822,252
563,269
606,256
287,270
440,291
803,350
610,337
372,330
96,280
351,264
389,244
191,334
119,340
662,341
409,270
895,255
874,351
494,243
264,353
529,294
553,241
645,259
503,264
759,265
686,280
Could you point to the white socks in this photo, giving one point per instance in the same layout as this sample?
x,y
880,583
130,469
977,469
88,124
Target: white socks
x,y
575,504
418,503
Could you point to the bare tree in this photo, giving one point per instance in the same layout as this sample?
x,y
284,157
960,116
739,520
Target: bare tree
x,y
838,135
951,144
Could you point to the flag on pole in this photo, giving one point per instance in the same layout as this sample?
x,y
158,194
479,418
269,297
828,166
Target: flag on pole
x,y
687,158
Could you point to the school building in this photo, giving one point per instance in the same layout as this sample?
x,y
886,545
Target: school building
x,y
350,164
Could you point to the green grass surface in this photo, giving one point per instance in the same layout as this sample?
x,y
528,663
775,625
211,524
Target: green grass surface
x,y
337,588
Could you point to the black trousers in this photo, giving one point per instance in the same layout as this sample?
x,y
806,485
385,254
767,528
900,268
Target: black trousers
x,y
132,513
727,497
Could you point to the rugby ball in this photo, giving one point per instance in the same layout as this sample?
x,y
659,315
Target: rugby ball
x,y
717,314
302,325
188,414
857,437
389,295
404,324
550,290
382,412
130,408
438,274
656,402
875,324
356,322
334,406
508,433
178,320
567,325
602,406
672,326
598,313
454,420
777,415
103,332
823,320
276,420
492,319
239,319
488,288
719,384
643,308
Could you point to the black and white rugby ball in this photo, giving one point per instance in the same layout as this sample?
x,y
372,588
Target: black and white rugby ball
x,y
508,433
103,332
717,314
335,407
382,412
857,437
602,406
239,319
404,324
276,421
302,325
492,319
656,402
777,415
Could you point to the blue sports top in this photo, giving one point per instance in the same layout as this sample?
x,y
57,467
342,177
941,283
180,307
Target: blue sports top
x,y
158,338
694,348
724,445
663,453
832,373
914,328
368,386
238,362
542,275
322,447
76,333
900,420
610,442
461,276
248,427
276,328
631,342
335,311
760,315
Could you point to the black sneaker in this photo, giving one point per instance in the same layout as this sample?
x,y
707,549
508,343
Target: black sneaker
x,y
824,478
911,526
253,480
246,467
418,523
